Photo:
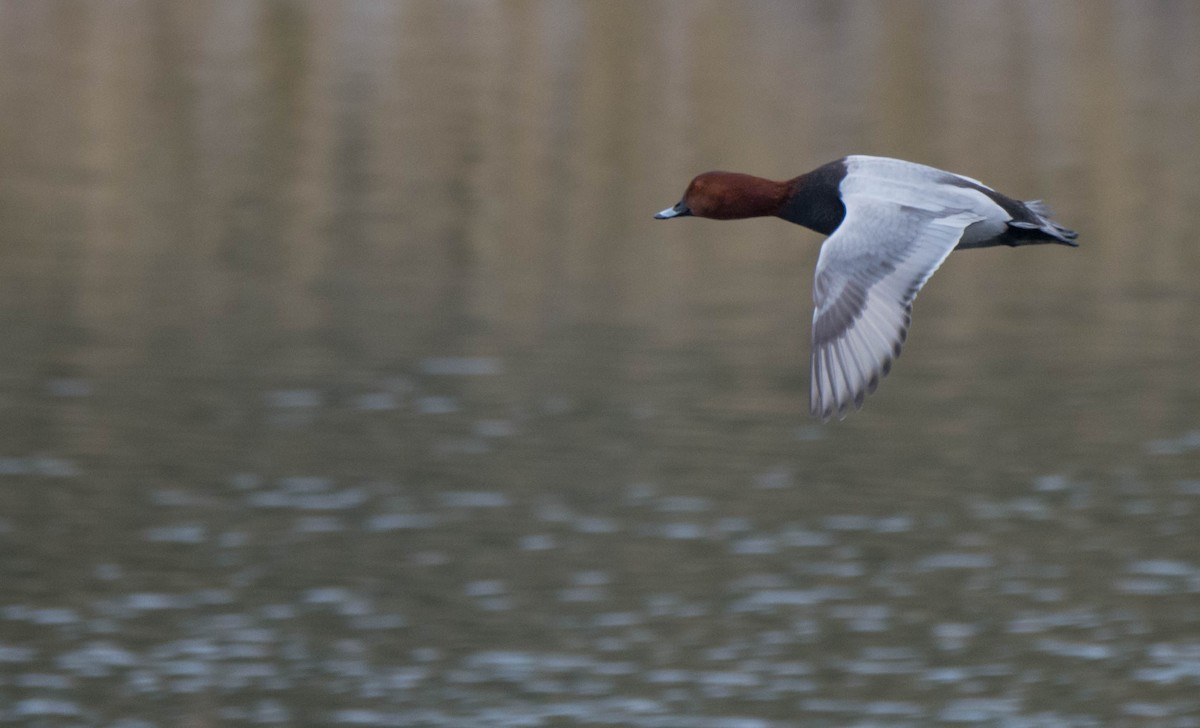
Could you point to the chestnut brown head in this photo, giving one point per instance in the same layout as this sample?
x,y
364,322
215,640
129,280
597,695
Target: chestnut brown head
x,y
728,196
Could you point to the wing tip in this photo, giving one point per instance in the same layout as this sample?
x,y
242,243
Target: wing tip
x,y
834,390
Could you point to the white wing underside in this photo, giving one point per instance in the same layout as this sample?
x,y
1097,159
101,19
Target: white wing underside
x,y
893,237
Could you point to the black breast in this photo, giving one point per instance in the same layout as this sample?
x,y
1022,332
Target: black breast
x,y
816,201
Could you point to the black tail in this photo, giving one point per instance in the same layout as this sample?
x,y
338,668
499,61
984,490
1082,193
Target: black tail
x,y
1041,223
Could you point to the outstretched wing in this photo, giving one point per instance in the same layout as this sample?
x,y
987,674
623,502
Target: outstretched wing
x,y
868,273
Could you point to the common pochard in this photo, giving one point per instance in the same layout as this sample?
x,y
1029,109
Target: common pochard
x,y
890,224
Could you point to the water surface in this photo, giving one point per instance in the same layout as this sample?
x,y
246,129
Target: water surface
x,y
347,380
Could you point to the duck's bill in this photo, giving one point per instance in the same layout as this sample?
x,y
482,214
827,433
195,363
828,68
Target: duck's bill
x,y
679,210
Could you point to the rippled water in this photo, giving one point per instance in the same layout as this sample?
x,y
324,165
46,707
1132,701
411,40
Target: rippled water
x,y
347,380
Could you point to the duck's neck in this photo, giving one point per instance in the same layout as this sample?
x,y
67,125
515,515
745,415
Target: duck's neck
x,y
814,200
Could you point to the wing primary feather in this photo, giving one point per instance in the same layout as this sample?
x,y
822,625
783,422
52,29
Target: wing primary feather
x,y
830,398
826,385
859,390
838,374
886,338
845,390
871,371
814,388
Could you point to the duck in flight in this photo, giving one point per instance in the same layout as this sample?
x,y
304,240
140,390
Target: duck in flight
x,y
890,224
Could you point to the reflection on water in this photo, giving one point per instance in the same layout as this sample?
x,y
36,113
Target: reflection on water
x,y
348,380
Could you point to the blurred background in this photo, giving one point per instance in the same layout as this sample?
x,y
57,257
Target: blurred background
x,y
346,378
